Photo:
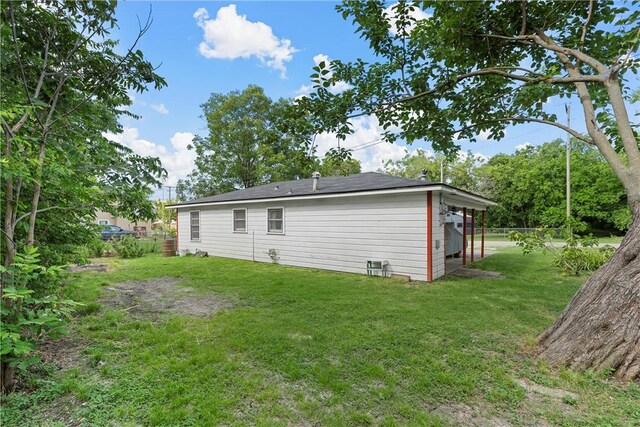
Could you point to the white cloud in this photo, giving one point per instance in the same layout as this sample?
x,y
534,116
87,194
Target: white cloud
x,y
484,135
231,36
303,90
160,108
523,146
178,160
337,87
367,131
416,14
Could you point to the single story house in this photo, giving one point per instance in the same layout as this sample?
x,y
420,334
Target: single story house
x,y
368,222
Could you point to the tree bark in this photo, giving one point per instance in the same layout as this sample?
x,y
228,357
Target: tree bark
x,y
7,377
600,328
36,194
9,208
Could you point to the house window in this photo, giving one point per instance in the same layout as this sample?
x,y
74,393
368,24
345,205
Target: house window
x,y
240,220
195,225
103,222
275,220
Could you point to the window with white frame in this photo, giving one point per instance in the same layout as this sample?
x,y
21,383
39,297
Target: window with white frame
x,y
275,220
103,222
194,217
240,220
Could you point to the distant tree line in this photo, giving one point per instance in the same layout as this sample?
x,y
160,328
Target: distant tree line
x,y
530,185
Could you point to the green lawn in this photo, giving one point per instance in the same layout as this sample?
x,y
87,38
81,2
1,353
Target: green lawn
x,y
306,347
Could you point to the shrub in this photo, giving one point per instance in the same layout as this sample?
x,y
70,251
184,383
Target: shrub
x,y
128,247
150,245
575,260
577,255
29,312
63,253
97,248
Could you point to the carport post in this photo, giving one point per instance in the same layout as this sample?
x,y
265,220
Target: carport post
x,y
464,236
482,244
430,236
473,232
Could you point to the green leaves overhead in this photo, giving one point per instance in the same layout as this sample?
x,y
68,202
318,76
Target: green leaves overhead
x,y
472,66
65,82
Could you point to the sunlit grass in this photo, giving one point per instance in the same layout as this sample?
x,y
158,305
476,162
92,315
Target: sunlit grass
x,y
305,346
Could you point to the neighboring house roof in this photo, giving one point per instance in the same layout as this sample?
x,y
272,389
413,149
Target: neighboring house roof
x,y
362,182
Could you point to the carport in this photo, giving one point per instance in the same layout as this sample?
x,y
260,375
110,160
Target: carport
x,y
472,209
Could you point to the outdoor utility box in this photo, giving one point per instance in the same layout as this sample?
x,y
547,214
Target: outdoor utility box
x,y
375,267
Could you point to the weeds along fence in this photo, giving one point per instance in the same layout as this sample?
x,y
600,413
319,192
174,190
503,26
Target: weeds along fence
x,y
504,232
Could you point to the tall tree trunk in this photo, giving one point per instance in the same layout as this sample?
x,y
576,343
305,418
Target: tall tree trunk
x,y
600,328
36,193
7,377
9,208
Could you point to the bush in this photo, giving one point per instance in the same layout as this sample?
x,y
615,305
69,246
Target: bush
x,y
150,245
97,248
29,311
577,255
128,247
575,260
63,253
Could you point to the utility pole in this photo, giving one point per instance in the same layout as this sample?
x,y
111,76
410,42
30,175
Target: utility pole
x,y
441,170
567,108
170,188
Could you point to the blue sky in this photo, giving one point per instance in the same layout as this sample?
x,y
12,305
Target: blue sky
x,y
204,47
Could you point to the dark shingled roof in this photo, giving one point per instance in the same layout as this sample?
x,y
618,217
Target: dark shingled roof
x,y
367,181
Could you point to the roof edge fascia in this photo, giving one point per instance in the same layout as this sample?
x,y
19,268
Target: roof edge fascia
x,y
436,187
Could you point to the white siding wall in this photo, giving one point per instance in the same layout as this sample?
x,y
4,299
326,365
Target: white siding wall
x,y
335,233
438,239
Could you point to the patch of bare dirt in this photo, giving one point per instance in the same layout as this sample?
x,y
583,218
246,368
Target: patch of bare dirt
x,y
465,415
61,410
65,352
558,393
88,267
162,295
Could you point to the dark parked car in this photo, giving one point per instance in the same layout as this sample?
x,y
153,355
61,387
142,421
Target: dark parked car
x,y
115,232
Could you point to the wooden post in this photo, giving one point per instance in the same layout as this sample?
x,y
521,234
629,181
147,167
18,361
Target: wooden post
x,y
482,244
464,236
429,236
473,233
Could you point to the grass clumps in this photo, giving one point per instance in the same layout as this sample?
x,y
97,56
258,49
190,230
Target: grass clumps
x,y
302,346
